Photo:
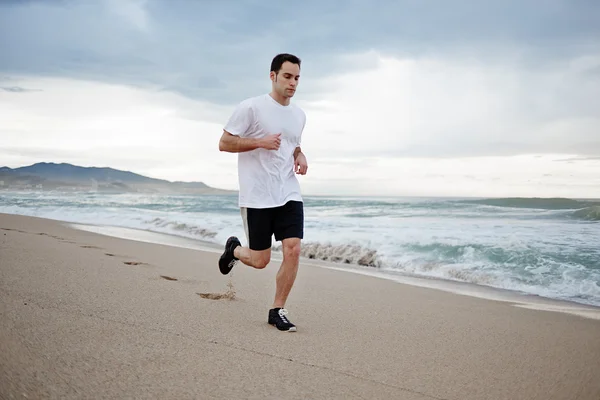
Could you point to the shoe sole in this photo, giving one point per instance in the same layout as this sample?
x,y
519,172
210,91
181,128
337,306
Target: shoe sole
x,y
286,330
226,267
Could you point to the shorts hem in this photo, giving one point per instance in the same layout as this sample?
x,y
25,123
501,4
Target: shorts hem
x,y
289,236
260,248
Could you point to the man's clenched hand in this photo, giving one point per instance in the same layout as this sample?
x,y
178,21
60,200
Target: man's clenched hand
x,y
300,164
271,142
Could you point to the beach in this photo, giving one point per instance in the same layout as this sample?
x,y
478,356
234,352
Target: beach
x,y
86,315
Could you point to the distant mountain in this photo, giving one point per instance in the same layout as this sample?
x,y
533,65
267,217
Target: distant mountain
x,y
63,176
74,173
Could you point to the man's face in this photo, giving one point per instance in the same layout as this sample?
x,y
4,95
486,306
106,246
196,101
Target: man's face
x,y
286,80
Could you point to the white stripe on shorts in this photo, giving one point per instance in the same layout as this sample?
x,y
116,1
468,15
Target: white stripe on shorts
x,y
244,212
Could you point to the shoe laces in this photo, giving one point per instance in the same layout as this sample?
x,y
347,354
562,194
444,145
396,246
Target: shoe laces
x,y
282,313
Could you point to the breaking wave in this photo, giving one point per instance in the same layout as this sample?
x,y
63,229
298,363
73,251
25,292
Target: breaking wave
x,y
344,254
179,227
564,273
589,213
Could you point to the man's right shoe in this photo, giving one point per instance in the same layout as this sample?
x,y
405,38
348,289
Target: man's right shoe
x,y
228,260
278,318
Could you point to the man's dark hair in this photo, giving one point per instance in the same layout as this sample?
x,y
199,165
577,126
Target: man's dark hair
x,y
279,59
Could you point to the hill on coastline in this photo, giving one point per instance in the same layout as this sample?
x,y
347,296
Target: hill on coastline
x,y
69,177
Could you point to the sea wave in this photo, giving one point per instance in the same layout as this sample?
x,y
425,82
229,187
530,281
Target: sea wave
x,y
557,203
589,213
177,227
343,254
565,274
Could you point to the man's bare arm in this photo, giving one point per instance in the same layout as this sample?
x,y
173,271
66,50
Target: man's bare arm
x,y
297,151
235,144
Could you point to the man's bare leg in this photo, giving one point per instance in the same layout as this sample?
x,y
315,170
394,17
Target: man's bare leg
x,y
256,259
235,251
288,271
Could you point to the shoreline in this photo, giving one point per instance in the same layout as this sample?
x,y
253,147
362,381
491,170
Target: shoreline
x,y
516,298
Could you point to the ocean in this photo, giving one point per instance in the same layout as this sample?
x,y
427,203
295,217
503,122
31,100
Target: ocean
x,y
543,247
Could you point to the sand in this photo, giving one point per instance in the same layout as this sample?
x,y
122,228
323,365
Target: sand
x,y
92,316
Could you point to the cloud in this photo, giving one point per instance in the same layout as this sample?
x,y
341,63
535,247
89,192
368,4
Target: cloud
x,y
579,158
405,96
526,175
17,89
169,136
132,11
220,51
456,108
161,134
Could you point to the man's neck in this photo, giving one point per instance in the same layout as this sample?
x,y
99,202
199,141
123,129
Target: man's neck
x,y
284,101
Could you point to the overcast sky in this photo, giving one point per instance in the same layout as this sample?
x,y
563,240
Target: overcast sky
x,y
455,98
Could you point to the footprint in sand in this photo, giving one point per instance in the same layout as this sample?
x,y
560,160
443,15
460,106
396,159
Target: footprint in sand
x,y
52,236
14,230
134,263
169,278
217,296
85,246
228,295
39,234
116,255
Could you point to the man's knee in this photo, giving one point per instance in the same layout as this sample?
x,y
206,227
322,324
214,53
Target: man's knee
x,y
260,259
291,248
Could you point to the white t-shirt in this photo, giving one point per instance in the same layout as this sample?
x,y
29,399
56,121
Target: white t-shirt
x,y
266,177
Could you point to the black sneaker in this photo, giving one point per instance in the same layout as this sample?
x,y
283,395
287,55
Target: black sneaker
x,y
278,318
227,260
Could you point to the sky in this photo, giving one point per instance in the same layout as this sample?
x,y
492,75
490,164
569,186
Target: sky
x,y
403,97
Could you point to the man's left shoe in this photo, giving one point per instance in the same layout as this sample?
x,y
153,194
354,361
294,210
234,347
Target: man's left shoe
x,y
278,318
227,260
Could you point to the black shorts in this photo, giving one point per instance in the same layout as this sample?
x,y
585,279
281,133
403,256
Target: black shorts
x,y
260,224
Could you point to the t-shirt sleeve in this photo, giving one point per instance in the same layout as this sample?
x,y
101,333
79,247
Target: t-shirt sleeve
x,y
241,120
299,141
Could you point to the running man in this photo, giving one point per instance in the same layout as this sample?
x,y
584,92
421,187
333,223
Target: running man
x,y
266,131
